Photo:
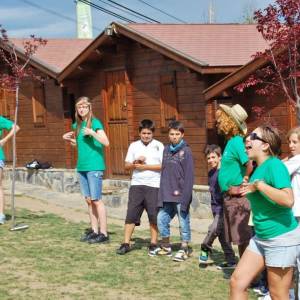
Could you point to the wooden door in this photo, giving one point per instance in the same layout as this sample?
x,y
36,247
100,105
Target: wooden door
x,y
7,100
168,98
116,122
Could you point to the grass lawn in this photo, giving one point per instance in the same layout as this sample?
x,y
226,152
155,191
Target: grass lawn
x,y
47,261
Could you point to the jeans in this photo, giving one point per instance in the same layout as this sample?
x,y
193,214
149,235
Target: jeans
x,y
216,229
165,216
91,184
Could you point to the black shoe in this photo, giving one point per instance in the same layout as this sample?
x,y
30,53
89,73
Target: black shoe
x,y
124,248
88,234
99,238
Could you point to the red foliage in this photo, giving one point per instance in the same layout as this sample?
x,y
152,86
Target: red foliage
x,y
18,68
279,25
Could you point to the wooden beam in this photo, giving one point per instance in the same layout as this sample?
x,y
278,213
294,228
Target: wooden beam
x,y
233,78
82,56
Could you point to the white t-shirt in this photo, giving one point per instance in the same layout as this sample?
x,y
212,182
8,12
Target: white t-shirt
x,y
293,166
153,152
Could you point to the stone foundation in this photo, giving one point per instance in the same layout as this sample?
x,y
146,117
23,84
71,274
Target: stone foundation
x,y
115,192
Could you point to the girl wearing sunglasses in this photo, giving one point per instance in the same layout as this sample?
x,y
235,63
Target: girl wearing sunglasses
x,y
276,243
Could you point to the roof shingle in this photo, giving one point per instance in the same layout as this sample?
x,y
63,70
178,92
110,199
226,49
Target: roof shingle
x,y
215,44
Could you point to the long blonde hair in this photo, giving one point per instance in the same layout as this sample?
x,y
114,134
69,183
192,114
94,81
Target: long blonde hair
x,y
81,101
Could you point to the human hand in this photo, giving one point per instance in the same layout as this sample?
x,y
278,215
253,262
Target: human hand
x,y
139,167
87,131
2,143
68,136
247,188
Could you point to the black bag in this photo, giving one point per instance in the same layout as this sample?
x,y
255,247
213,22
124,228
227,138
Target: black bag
x,y
33,165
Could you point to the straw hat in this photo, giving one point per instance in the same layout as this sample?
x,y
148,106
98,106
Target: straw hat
x,y
238,115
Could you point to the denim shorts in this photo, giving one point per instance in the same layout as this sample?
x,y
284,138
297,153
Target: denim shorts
x,y
275,256
91,184
2,164
165,216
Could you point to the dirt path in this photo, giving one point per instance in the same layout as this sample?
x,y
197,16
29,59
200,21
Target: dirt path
x,y
80,215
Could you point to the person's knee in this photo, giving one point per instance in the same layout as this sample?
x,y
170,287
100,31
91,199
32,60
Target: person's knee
x,y
88,201
236,283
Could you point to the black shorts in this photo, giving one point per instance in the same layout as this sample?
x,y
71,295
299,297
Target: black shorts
x,y
142,197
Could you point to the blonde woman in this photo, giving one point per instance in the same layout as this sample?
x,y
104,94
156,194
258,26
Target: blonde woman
x,y
89,137
276,243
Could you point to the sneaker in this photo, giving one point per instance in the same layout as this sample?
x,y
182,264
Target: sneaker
x,y
181,255
99,238
153,250
88,233
203,257
266,297
2,219
261,290
226,266
165,251
124,248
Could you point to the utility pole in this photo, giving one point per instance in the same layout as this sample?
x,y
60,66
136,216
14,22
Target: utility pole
x,y
84,20
211,12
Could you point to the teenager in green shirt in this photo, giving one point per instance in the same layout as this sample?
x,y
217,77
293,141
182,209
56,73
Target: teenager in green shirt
x,y
90,138
235,166
276,243
7,125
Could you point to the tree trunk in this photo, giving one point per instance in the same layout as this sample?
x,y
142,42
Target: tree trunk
x,y
14,160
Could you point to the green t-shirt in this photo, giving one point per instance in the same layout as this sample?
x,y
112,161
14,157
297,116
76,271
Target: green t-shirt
x,y
269,218
4,124
90,151
233,163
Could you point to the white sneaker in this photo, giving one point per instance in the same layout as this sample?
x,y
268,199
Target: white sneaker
x,y
2,219
266,297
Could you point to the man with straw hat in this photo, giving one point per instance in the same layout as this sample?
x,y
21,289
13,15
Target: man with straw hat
x,y
234,167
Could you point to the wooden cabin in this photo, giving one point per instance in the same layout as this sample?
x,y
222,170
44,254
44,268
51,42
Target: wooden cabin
x,y
132,72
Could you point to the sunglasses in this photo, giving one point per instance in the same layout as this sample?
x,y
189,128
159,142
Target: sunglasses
x,y
253,136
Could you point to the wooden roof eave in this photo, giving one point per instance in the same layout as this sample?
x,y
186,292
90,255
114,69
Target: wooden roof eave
x,y
234,78
158,46
81,57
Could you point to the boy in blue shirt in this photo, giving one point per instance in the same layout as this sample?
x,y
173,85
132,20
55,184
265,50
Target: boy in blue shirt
x,y
175,193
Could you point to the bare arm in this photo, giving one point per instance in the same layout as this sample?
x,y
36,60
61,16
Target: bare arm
x,y
98,135
9,135
283,197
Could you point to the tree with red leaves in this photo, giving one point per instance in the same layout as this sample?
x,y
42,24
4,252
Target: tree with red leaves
x,y
279,25
18,69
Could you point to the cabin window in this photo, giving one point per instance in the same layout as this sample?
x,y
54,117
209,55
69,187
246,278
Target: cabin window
x,y
38,105
168,98
6,98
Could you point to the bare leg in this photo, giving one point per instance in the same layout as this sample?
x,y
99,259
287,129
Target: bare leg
x,y
1,193
242,248
154,233
249,266
93,217
101,215
279,280
128,231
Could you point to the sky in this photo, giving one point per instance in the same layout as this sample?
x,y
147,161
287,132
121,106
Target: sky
x,y
57,18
